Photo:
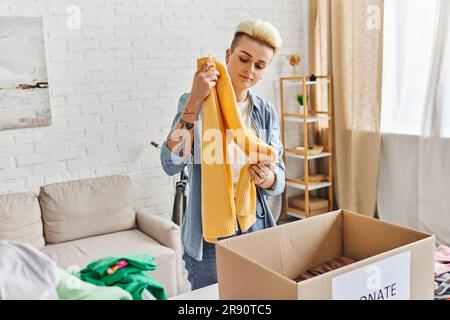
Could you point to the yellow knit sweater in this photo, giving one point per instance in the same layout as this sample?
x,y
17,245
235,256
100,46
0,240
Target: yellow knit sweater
x,y
219,209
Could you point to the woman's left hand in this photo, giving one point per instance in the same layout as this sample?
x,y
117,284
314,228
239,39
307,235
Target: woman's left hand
x,y
263,174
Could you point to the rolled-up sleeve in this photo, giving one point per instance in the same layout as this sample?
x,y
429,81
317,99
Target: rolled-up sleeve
x,y
275,142
170,161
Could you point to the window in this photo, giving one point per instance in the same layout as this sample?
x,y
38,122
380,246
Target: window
x,y
409,27
445,89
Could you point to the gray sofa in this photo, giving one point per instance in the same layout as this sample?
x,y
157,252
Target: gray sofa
x,y
79,221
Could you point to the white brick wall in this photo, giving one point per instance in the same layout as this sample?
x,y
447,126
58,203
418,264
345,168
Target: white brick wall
x,y
115,85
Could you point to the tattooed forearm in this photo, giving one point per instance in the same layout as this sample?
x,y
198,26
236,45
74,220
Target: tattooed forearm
x,y
181,139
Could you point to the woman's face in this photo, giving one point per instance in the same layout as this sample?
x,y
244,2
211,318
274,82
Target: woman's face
x,y
248,62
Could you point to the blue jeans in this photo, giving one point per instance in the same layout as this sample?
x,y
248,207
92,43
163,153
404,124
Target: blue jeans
x,y
204,273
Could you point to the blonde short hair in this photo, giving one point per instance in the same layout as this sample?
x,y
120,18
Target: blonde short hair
x,y
261,31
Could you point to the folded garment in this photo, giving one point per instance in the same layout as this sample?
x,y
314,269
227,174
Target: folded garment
x,y
72,288
441,260
132,277
26,273
324,268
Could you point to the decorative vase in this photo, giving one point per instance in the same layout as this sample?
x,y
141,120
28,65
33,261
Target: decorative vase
x,y
294,61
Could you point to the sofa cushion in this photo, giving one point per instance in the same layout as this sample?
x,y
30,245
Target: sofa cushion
x,y
83,208
77,254
20,219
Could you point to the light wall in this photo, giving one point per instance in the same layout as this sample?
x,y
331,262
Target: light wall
x,y
115,84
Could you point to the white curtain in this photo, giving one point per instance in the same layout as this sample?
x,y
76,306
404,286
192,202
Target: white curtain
x,y
414,175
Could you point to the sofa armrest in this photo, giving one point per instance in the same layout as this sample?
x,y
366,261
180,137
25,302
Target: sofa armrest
x,y
162,230
169,235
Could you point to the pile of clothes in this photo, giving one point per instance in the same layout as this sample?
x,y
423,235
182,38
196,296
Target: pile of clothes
x,y
28,274
331,265
126,272
442,273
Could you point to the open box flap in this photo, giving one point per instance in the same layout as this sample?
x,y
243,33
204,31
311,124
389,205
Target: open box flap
x,y
293,248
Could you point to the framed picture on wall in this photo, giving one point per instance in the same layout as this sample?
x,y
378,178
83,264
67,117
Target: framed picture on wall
x,y
24,93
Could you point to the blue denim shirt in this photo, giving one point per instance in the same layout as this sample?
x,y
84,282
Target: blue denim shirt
x,y
265,120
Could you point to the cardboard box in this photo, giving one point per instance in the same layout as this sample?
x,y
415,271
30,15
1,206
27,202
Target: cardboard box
x,y
393,262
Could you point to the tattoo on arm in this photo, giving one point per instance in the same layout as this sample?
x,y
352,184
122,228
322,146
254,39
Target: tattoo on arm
x,y
185,124
179,150
170,139
180,139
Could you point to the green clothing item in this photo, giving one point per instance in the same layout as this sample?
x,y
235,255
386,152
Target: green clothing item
x,y
132,278
71,288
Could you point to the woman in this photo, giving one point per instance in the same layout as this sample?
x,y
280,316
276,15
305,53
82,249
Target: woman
x,y
251,52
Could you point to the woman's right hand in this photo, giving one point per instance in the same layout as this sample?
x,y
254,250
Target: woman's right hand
x,y
204,80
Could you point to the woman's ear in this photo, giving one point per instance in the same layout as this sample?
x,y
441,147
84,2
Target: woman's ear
x,y
227,55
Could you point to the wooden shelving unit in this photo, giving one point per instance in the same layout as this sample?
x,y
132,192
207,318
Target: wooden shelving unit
x,y
308,116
